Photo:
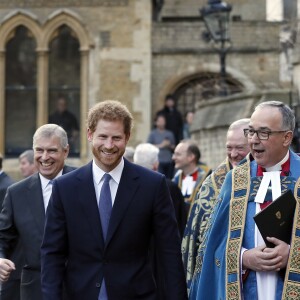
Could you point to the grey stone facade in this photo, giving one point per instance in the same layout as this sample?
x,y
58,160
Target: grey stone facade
x,y
139,60
60,3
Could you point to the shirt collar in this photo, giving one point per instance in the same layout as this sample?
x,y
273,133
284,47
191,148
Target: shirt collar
x,y
45,181
115,173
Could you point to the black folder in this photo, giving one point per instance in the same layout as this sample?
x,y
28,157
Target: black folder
x,y
276,220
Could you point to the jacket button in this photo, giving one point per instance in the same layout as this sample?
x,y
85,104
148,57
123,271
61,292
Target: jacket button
x,y
98,284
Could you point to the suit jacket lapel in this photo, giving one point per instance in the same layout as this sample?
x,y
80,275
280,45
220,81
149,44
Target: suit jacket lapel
x,y
87,197
35,201
126,190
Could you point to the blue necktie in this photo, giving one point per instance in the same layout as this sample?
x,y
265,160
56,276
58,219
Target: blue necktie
x,y
105,206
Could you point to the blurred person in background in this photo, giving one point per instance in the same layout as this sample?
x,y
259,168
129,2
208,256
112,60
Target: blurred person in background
x,y
129,152
68,121
189,117
26,163
190,174
5,181
146,155
164,140
174,121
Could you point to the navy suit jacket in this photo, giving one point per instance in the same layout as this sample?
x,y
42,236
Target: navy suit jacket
x,y
5,182
23,217
74,252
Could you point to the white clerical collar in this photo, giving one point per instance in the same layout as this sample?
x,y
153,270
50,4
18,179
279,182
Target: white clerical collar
x,y
278,166
272,176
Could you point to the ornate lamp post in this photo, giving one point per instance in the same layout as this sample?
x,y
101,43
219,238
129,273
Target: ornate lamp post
x,y
216,16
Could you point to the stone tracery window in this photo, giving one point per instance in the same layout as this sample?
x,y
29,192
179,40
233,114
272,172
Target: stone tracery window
x,y
38,62
64,76
20,91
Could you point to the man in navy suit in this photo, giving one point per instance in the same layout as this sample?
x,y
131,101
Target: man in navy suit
x,y
114,264
23,213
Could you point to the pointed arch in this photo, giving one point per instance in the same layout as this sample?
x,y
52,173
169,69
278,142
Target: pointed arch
x,y
70,19
73,21
11,22
42,34
16,19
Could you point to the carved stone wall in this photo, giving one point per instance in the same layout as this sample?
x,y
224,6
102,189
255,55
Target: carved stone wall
x,y
138,61
245,10
115,52
179,52
60,3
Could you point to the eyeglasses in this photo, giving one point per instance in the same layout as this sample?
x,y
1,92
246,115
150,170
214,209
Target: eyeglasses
x,y
261,134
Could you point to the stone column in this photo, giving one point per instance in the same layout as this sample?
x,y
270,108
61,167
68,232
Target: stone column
x,y
42,88
83,102
2,101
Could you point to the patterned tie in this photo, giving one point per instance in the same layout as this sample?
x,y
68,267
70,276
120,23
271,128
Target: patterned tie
x,y
105,204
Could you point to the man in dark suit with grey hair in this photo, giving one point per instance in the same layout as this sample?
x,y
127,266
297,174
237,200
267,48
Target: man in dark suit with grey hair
x,y
23,212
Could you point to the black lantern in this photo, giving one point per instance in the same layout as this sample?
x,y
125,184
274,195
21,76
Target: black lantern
x,y
216,16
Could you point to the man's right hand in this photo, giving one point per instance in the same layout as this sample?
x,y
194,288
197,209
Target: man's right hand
x,y
6,267
258,260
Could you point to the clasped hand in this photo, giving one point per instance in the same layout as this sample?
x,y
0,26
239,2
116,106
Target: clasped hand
x,y
262,258
6,267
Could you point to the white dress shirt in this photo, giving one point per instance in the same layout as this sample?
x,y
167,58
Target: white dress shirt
x,y
47,188
113,184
